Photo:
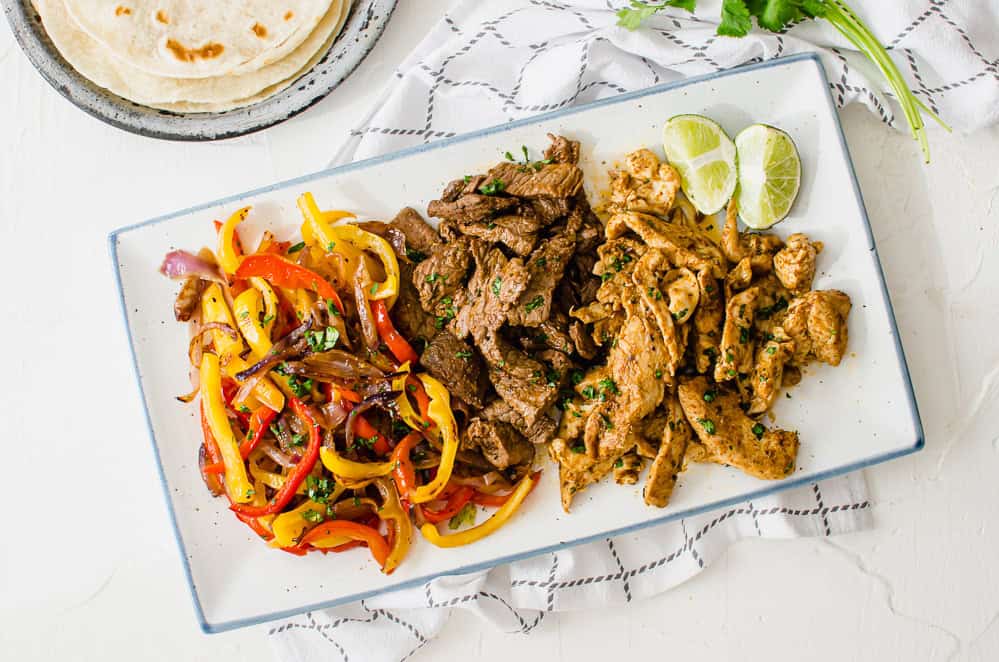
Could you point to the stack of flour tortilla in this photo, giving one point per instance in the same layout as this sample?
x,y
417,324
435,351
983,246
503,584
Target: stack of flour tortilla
x,y
189,56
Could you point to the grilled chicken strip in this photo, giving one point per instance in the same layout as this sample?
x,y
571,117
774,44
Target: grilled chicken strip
x,y
730,437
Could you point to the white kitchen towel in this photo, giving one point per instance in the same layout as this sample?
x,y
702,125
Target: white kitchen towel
x,y
490,62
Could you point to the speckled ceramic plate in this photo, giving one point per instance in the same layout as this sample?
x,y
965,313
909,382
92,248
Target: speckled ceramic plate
x,y
858,414
364,26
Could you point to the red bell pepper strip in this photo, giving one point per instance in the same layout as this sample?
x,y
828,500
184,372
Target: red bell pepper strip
x,y
455,502
297,474
285,273
401,350
483,499
255,524
363,428
404,472
259,422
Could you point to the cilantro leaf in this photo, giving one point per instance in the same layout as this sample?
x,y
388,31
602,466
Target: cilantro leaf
x,y
735,19
631,18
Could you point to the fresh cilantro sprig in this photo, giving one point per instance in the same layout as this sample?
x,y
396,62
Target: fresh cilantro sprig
x,y
777,15
639,11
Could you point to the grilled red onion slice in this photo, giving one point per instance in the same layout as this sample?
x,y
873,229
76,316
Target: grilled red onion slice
x,y
181,264
290,345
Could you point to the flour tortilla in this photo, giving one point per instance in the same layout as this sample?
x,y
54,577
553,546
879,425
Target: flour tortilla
x,y
222,106
198,39
93,61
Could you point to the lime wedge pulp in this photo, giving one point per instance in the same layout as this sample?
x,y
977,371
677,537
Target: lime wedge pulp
x,y
769,175
705,157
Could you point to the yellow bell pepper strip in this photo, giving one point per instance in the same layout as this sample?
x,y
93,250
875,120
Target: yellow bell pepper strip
x,y
237,484
439,411
341,467
288,527
401,531
247,308
259,422
362,240
229,259
401,350
498,519
318,229
282,272
214,309
406,411
297,473
269,478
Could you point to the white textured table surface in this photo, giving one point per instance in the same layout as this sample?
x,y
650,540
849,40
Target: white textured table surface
x,y
88,567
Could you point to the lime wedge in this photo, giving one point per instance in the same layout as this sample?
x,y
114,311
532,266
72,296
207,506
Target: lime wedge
x,y
705,157
769,175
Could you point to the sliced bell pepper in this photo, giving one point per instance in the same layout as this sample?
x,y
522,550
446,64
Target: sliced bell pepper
x,y
455,502
282,272
237,484
297,474
317,229
228,253
402,466
393,512
215,309
362,240
401,383
288,526
401,350
439,411
269,478
341,467
259,421
498,519
362,428
351,530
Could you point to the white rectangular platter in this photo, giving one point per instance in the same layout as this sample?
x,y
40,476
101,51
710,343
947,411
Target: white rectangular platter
x,y
858,414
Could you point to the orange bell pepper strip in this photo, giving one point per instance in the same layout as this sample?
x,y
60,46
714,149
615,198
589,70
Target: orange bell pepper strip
x,y
404,473
401,350
283,272
297,474
346,529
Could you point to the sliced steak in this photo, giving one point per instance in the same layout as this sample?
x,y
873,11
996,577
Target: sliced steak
x,y
541,432
456,364
420,235
495,285
546,265
548,210
407,313
459,187
558,180
500,443
442,274
518,233
517,378
470,208
562,150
